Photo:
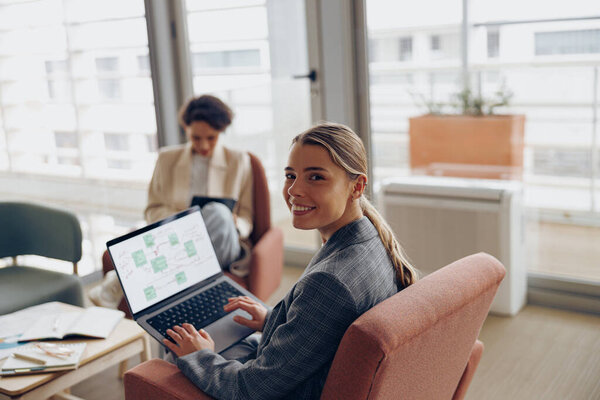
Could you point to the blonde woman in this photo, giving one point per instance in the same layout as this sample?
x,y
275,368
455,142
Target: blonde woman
x,y
359,265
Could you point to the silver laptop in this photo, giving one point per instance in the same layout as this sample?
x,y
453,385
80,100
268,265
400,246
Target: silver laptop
x,y
170,275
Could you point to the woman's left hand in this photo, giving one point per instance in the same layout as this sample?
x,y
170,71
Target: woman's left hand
x,y
188,340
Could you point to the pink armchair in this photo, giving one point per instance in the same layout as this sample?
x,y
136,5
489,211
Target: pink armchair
x,y
419,344
266,261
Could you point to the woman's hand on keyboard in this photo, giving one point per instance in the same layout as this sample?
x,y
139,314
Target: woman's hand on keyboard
x,y
188,340
252,307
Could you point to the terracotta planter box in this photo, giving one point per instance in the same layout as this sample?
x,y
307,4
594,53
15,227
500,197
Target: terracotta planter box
x,y
459,145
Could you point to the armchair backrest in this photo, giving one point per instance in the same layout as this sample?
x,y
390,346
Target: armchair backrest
x,y
416,344
261,200
39,230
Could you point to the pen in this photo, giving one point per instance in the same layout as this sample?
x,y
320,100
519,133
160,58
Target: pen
x,y
17,370
33,369
28,357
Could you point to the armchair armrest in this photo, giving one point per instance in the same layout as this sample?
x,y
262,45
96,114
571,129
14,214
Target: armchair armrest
x,y
266,264
159,380
107,266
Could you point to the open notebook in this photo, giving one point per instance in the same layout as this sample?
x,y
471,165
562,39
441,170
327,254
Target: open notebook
x,y
35,358
95,322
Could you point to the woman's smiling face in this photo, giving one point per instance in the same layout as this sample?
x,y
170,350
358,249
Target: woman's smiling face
x,y
317,191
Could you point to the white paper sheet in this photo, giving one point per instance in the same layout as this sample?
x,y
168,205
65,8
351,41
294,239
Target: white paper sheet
x,y
16,323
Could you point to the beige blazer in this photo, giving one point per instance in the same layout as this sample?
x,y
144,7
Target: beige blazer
x,y
229,175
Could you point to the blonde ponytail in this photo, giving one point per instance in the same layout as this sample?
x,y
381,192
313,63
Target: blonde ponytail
x,y
406,274
348,152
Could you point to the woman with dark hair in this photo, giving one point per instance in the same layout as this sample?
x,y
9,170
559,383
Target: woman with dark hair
x,y
359,265
200,167
204,167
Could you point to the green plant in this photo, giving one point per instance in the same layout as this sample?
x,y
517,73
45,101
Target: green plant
x,y
432,106
466,102
470,104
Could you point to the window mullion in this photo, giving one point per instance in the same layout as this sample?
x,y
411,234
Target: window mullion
x,y
4,129
465,44
594,148
71,79
165,34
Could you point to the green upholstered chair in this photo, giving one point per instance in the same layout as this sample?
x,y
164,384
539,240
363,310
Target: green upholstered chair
x,y
30,229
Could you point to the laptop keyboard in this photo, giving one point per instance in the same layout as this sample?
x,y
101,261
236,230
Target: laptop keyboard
x,y
200,310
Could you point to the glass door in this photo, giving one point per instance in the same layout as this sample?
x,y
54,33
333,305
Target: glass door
x,y
247,52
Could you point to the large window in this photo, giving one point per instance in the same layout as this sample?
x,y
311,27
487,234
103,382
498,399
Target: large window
x,y
548,58
567,42
493,43
77,121
78,127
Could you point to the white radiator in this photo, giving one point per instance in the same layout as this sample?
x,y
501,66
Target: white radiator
x,y
439,220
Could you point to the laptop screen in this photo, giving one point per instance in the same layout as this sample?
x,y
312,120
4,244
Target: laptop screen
x,y
154,264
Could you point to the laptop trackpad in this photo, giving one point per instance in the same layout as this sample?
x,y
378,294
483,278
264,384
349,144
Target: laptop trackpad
x,y
226,332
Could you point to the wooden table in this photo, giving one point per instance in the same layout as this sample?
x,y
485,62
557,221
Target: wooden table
x,y
127,340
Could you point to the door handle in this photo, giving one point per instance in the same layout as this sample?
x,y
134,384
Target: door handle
x,y
312,75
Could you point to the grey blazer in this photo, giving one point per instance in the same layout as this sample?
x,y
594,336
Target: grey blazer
x,y
350,274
